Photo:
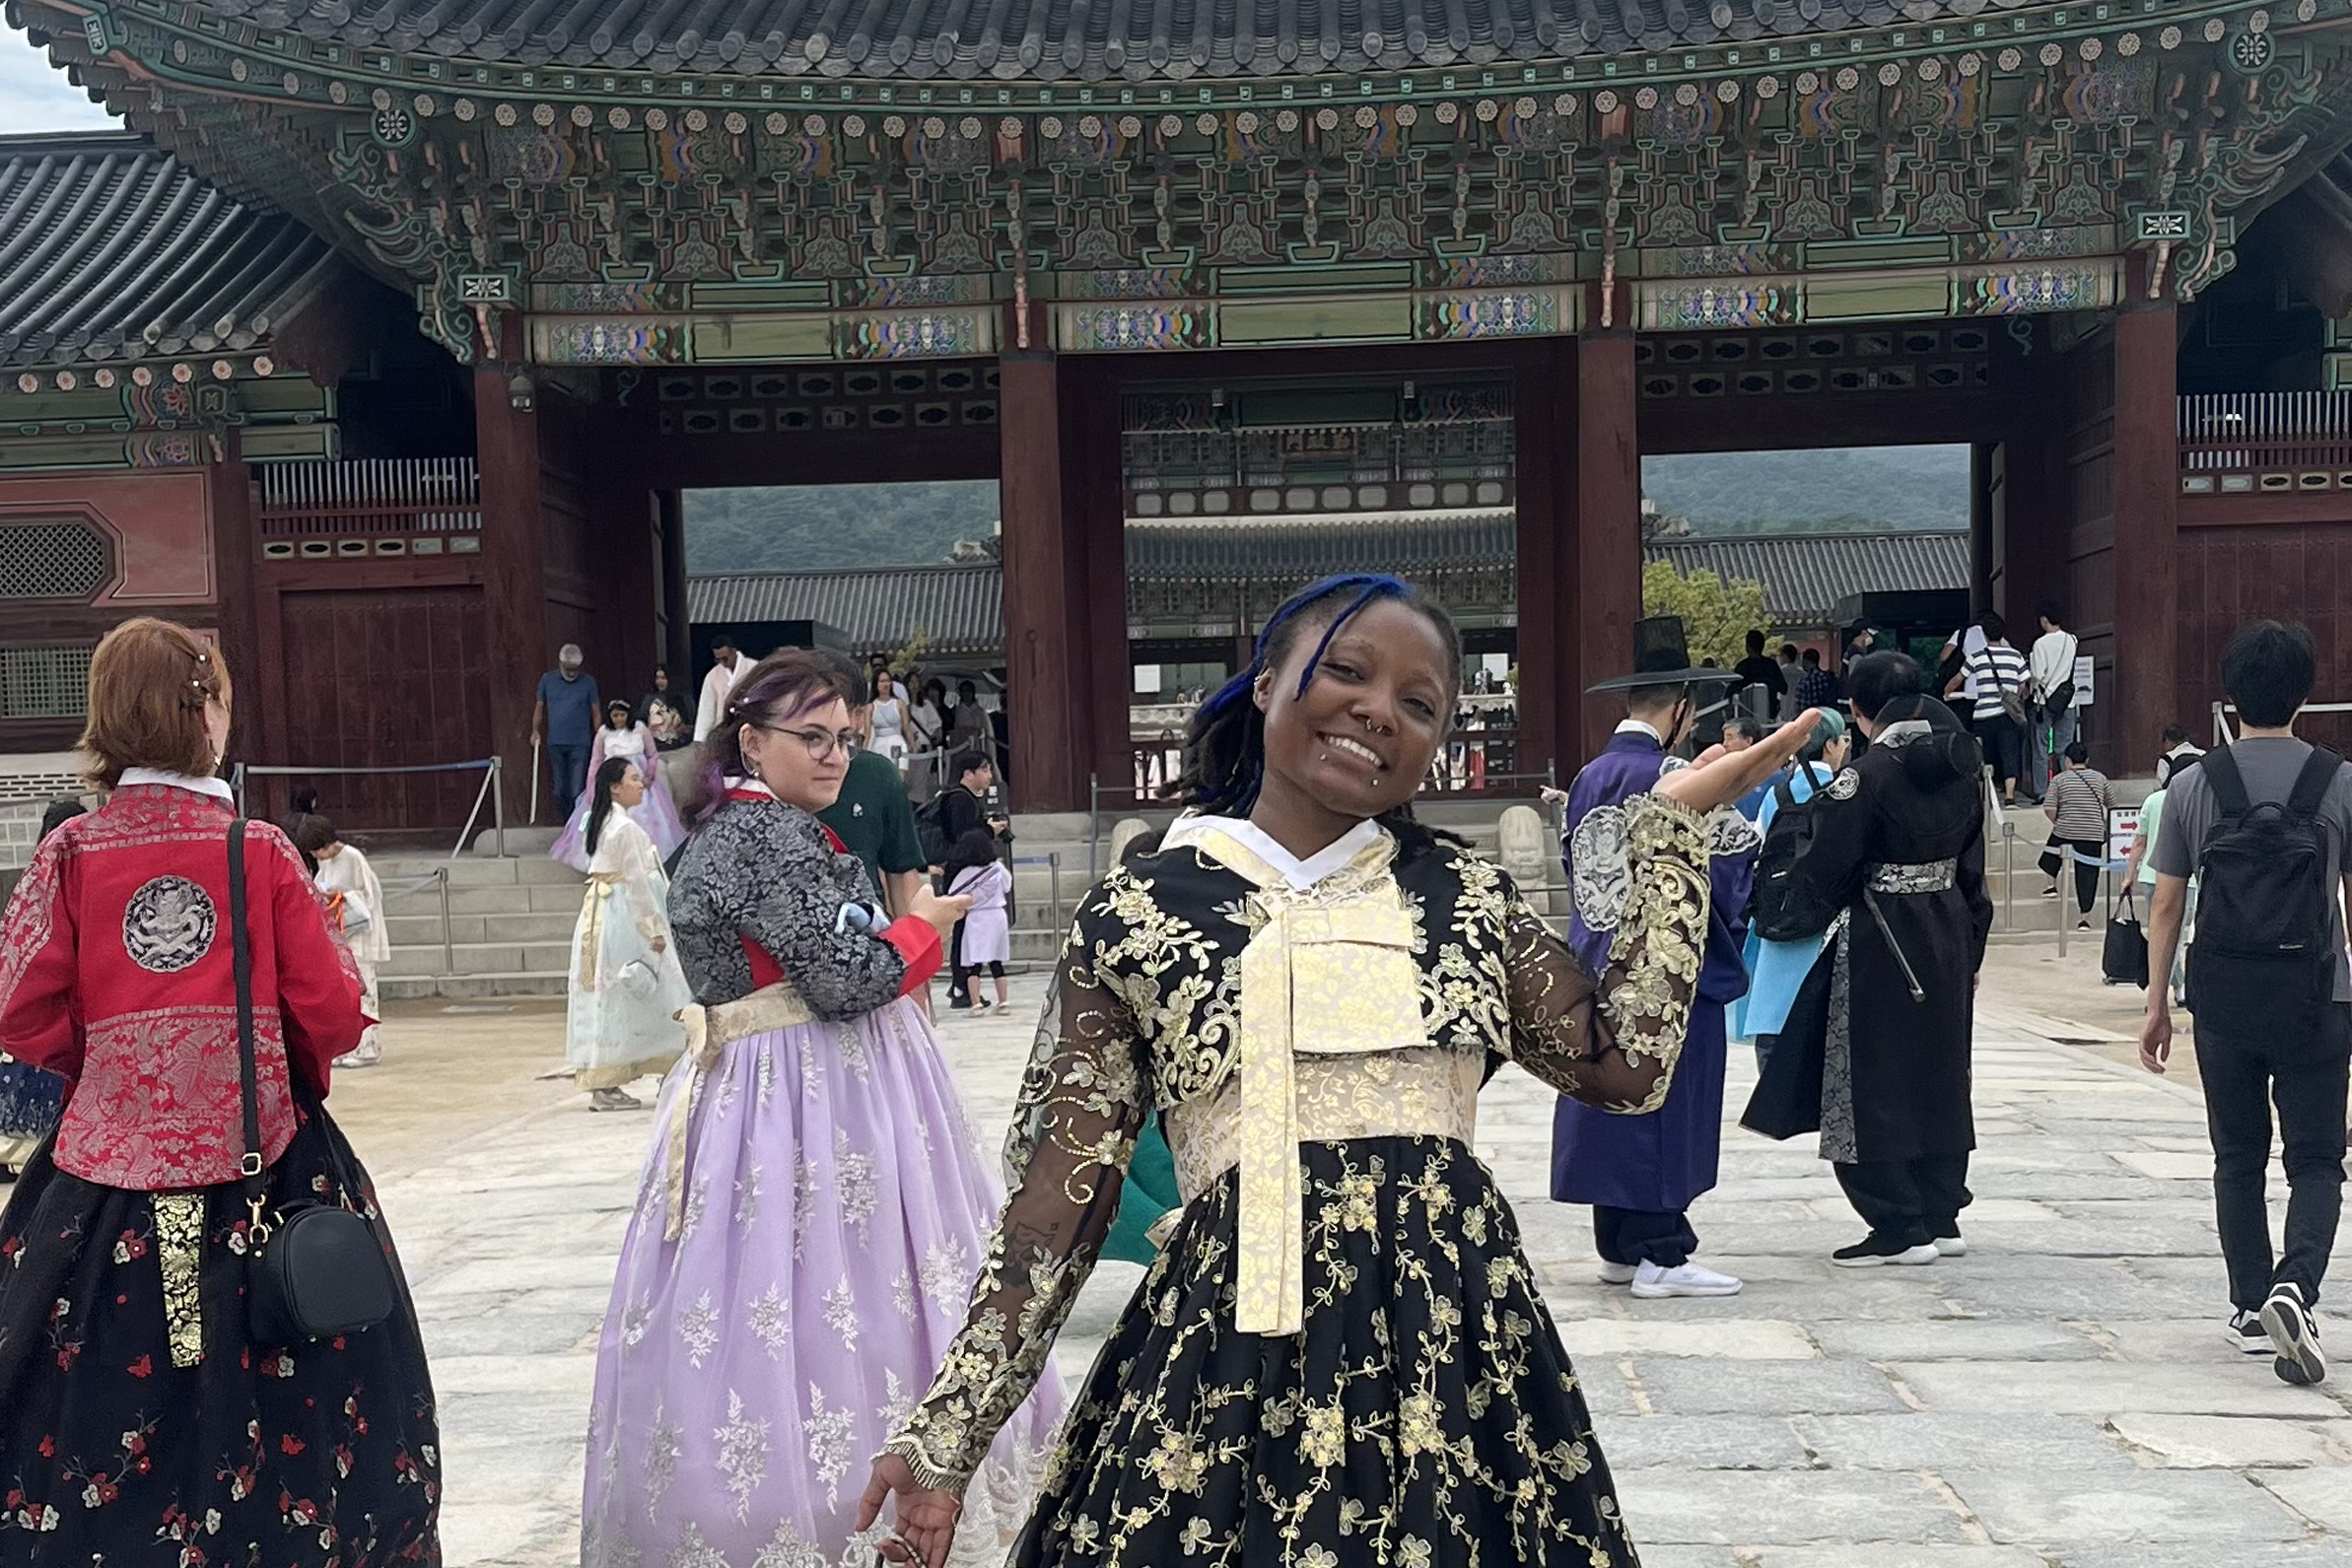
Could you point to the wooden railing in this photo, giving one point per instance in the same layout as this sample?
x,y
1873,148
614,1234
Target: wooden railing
x,y
369,497
2266,443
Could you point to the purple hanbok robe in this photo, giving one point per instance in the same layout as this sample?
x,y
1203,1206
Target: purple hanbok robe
x,y
1662,1162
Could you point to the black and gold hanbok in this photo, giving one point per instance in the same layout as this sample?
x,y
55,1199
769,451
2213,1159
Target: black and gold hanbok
x,y
1341,1355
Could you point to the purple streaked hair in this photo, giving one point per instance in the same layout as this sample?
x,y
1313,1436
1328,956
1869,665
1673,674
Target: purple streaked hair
x,y
779,688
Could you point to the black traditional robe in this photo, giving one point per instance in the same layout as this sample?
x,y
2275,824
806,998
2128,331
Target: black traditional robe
x,y
1900,835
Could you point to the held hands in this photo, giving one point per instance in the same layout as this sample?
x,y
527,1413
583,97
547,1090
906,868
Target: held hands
x,y
941,911
925,1518
1720,775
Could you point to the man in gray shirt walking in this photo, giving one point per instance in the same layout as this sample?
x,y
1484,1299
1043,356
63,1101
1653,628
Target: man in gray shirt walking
x,y
2264,825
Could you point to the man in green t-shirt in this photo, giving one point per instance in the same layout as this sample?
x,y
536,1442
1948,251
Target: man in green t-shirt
x,y
873,819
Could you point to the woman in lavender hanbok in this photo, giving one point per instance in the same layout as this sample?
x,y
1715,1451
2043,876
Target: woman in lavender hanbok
x,y
623,736
812,1210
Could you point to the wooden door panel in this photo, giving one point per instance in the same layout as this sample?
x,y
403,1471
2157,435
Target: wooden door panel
x,y
389,679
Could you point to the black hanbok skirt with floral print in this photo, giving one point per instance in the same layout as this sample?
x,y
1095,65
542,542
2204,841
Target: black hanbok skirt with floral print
x,y
1427,1415
141,1425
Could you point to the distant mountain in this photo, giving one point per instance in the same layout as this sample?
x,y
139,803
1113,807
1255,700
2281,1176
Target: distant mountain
x,y
1852,490
816,527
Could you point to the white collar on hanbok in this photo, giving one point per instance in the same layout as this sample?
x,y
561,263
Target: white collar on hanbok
x,y
1299,873
218,788
1635,726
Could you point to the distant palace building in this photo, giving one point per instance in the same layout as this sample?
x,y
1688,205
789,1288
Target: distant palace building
x,y
386,343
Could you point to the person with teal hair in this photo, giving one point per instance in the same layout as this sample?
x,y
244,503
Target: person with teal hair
x,y
1778,970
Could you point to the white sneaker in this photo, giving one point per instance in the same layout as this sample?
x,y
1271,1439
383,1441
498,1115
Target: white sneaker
x,y
2247,1335
1951,1247
365,1056
1650,1282
1617,1273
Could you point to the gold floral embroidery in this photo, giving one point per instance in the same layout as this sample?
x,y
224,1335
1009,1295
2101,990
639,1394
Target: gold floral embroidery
x,y
180,1251
1151,1010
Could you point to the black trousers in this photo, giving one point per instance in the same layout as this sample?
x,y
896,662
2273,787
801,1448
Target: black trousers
x,y
959,984
1637,1236
2004,742
2086,872
2243,1076
1912,1202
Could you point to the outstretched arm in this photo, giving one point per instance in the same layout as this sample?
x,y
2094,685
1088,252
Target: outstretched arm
x,y
1082,1105
1613,1042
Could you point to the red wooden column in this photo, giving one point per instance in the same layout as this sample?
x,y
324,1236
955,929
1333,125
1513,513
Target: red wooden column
x,y
235,562
2147,487
1607,540
513,574
677,644
1543,407
1046,671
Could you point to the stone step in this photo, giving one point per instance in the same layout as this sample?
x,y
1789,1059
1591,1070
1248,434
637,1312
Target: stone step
x,y
467,871
424,931
425,988
520,841
482,958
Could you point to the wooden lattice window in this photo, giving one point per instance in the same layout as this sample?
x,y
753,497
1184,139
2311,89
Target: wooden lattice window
x,y
49,681
55,559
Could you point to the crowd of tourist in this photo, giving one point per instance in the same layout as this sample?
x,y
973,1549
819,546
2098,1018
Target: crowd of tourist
x,y
1257,1061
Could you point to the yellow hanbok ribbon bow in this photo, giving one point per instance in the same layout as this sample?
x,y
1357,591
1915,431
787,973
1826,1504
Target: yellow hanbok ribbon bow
x,y
702,1054
707,1032
602,886
1324,976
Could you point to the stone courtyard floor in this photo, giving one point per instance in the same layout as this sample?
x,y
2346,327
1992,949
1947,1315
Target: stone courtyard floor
x,y
2060,1398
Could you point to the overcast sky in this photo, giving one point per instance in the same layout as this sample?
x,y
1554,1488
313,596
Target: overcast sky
x,y
34,96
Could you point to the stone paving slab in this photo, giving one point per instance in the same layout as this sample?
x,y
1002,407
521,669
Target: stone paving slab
x,y
1888,1556
2104,1388
1939,1441
1955,1339
2032,1507
1734,1507
1707,1442
2231,1442
1735,1339
1775,1388
2205,1554
2322,1496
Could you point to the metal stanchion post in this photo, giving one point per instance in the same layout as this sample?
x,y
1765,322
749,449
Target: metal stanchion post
x,y
448,948
1053,870
497,801
2009,876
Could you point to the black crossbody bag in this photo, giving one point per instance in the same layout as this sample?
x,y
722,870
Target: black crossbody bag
x,y
318,1272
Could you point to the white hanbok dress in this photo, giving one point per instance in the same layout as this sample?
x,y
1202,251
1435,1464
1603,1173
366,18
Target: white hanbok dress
x,y
626,987
356,904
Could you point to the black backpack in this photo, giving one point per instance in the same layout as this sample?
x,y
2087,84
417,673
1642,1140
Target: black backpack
x,y
1787,907
930,833
2266,944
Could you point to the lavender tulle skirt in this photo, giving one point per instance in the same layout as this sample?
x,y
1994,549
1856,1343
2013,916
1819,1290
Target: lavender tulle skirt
x,y
656,813
832,1214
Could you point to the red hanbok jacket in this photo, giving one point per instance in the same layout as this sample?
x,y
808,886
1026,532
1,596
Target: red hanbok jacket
x,y
115,972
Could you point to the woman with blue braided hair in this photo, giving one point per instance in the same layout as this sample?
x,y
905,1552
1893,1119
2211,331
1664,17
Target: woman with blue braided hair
x,y
1341,1354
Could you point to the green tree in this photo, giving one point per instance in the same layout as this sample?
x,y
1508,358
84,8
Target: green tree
x,y
1717,614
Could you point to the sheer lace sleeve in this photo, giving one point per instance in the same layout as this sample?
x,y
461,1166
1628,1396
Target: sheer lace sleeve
x,y
1081,1104
644,886
1613,1042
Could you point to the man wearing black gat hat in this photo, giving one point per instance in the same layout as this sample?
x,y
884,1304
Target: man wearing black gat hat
x,y
1641,1173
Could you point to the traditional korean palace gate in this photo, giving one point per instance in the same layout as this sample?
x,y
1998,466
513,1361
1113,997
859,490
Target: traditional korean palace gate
x,y
1149,261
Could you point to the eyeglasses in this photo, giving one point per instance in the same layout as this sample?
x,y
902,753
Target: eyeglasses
x,y
821,743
